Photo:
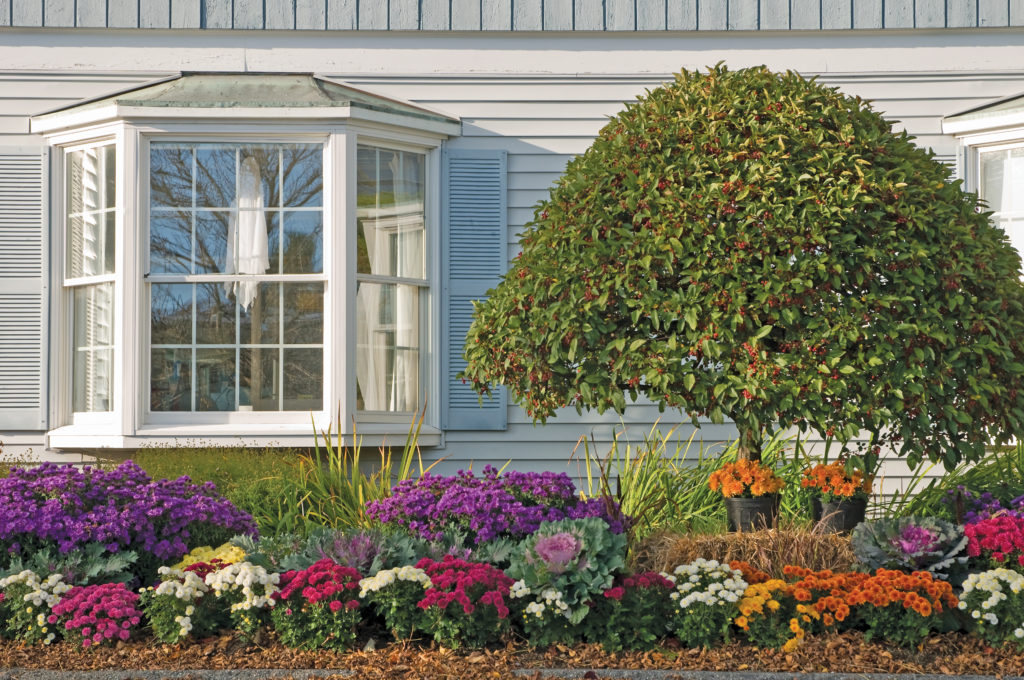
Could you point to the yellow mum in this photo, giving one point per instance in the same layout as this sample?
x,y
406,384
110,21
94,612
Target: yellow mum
x,y
226,553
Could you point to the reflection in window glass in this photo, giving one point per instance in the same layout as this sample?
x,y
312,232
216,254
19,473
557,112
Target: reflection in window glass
x,y
90,212
93,362
1002,187
239,212
390,242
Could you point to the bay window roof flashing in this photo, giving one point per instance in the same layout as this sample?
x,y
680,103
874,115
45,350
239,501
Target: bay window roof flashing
x,y
295,96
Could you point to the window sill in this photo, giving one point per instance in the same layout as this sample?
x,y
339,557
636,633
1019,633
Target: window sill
x,y
90,437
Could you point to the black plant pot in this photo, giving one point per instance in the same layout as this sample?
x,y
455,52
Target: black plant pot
x,y
752,514
839,516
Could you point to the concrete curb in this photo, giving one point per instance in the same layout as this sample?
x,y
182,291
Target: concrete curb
x,y
576,673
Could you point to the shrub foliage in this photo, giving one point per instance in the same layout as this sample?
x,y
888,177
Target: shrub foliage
x,y
757,246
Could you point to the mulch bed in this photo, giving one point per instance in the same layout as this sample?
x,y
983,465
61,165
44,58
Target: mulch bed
x,y
847,652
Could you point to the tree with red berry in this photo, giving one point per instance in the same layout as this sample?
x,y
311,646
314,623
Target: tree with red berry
x,y
759,247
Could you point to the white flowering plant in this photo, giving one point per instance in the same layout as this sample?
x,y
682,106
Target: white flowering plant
x,y
180,606
394,594
994,600
706,599
543,614
246,591
26,604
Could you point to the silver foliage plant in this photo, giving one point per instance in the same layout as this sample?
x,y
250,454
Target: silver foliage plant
x,y
910,544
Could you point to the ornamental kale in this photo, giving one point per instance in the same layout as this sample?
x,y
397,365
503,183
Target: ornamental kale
x,y
68,508
561,569
510,505
911,544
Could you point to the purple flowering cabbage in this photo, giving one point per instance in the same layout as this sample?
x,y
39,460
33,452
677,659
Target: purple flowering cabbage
x,y
915,539
558,551
510,505
122,509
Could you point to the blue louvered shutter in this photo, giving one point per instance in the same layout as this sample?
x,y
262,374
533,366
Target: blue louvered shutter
x,y
475,257
24,203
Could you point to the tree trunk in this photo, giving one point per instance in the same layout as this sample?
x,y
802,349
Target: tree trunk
x,y
749,444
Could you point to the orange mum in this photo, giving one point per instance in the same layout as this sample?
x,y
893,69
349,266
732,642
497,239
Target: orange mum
x,y
744,478
836,479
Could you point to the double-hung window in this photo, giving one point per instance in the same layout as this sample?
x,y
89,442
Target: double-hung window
x,y
90,211
236,277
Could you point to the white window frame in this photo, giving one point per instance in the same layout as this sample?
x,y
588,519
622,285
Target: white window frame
x,y
130,423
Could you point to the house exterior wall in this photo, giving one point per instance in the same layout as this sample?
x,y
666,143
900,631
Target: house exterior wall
x,y
514,15
540,98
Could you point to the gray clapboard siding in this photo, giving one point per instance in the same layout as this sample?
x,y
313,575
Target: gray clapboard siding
x,y
515,15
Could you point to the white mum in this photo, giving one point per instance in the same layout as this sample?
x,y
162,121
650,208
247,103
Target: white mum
x,y
254,582
384,578
993,584
706,582
42,592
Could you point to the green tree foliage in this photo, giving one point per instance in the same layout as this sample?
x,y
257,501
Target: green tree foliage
x,y
757,246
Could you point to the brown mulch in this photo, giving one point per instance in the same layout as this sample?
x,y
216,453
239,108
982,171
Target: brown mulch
x,y
847,652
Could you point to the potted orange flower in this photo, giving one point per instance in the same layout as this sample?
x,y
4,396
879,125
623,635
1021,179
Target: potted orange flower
x,y
751,493
841,493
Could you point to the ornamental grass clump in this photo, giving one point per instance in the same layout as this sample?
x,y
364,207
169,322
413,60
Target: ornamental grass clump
x,y
997,541
994,600
900,607
494,505
466,604
180,606
394,594
705,598
26,602
67,507
102,614
246,591
910,544
632,614
560,570
318,607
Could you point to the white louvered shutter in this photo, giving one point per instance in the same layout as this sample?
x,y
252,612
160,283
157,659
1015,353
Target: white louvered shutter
x,y
475,258
24,201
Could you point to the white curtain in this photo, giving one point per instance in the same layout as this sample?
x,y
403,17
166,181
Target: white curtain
x,y
410,256
371,354
1012,204
247,235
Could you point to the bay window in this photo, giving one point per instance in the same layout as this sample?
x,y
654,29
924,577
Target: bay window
x,y
241,262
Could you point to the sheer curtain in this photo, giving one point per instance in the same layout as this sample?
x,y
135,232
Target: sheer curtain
x,y
371,352
1011,206
247,235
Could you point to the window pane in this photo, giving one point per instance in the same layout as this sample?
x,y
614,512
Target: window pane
x,y
259,378
390,213
303,313
212,241
215,380
215,315
387,347
93,361
170,175
90,212
216,174
303,175
303,379
260,324
170,382
303,242
170,243
171,308
267,163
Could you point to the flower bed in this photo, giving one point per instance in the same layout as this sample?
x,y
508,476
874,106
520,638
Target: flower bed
x,y
565,583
